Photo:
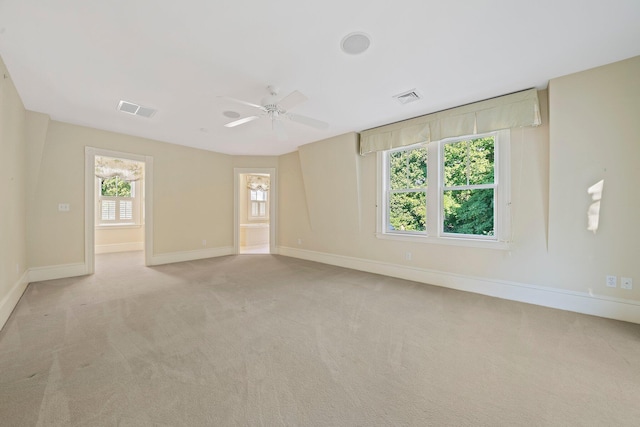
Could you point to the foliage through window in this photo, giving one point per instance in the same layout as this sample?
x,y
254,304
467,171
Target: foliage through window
x,y
468,196
461,199
408,190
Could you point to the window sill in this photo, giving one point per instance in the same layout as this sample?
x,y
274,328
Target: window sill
x,y
117,226
449,241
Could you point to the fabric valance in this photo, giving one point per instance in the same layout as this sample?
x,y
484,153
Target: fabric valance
x,y
515,110
126,170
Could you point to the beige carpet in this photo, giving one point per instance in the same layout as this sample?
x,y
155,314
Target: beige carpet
x,y
269,340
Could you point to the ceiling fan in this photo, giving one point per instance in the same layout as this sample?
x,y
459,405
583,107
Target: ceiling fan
x,y
277,111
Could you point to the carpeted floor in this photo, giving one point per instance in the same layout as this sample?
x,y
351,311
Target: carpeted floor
x,y
270,340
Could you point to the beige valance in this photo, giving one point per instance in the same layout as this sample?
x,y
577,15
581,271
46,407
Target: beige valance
x,y
126,170
505,112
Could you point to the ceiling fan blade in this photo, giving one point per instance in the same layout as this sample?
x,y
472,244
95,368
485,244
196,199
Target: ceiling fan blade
x,y
278,127
318,124
291,100
241,121
239,101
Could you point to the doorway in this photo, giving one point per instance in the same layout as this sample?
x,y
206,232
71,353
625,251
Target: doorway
x,y
118,215
255,211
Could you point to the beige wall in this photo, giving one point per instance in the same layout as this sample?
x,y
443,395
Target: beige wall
x,y
13,179
190,190
355,237
592,117
119,235
594,137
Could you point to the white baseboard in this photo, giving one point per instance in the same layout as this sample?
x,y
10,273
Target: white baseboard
x,y
38,274
580,302
119,247
168,258
9,302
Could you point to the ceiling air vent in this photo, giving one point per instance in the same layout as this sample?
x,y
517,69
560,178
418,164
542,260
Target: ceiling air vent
x,y
135,109
407,97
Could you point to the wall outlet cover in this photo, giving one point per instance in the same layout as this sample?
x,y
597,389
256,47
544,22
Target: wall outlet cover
x,y
626,283
612,281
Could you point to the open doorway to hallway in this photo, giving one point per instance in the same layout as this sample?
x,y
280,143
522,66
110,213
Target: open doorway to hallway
x,y
255,210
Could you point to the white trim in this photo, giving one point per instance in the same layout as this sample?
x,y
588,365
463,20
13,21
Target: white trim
x,y
273,204
434,233
119,247
168,258
148,210
10,300
89,205
445,240
38,274
255,225
580,302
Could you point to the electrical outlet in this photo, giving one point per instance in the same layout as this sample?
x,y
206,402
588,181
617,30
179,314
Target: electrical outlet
x,y
63,207
408,256
204,242
612,281
626,283
299,241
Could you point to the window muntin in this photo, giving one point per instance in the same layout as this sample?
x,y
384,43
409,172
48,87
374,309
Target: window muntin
x,y
465,202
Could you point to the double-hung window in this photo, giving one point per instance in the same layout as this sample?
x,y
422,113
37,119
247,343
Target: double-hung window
x,y
466,200
407,190
118,203
258,204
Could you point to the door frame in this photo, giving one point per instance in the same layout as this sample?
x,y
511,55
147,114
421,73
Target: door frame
x,y
90,206
273,203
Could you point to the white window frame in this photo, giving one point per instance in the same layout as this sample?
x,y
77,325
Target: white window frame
x,y
435,190
117,222
261,205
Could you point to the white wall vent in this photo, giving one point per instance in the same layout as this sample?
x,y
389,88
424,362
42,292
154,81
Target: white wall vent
x,y
135,109
407,97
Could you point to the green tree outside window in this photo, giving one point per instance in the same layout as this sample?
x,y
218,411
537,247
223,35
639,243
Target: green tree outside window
x,y
115,187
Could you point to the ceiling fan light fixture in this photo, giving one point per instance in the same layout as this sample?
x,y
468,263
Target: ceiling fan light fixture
x,y
355,43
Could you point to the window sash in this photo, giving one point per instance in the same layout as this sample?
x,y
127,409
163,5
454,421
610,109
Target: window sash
x,y
470,187
434,220
118,210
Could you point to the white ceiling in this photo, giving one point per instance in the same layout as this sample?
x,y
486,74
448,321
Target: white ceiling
x,y
76,59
